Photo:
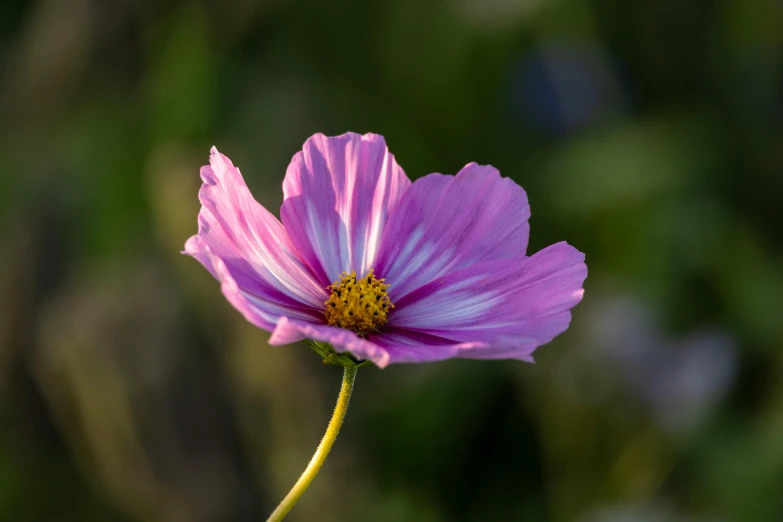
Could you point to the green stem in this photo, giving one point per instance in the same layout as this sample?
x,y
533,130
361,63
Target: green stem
x,y
349,376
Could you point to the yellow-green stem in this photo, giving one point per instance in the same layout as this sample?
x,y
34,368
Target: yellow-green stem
x,y
349,376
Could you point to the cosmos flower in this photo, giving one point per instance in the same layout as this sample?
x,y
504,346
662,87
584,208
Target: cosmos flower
x,y
382,268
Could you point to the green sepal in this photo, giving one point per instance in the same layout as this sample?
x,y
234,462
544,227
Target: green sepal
x,y
330,356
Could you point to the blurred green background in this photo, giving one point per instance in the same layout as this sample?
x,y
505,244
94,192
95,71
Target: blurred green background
x,y
648,134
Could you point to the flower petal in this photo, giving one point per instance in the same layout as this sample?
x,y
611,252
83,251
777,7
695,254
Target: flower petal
x,y
445,223
245,246
292,330
258,304
387,347
511,306
408,346
339,192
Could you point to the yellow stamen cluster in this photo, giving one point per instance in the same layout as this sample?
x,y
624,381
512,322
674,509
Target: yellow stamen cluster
x,y
360,305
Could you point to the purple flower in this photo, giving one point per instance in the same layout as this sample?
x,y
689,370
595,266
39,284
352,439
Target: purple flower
x,y
380,267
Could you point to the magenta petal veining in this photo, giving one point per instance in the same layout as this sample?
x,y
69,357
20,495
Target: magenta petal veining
x,y
339,193
446,223
451,248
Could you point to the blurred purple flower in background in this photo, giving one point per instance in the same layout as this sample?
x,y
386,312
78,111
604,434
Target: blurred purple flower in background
x,y
386,269
681,380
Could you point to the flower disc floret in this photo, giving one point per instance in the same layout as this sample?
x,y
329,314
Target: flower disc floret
x,y
361,305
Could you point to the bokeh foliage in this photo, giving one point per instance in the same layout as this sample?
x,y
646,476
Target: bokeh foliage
x,y
648,134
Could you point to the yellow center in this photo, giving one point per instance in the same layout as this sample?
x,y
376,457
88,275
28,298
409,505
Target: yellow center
x,y
360,305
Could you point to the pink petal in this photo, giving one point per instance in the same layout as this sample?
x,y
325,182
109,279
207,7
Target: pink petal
x,y
446,223
262,311
510,305
390,346
248,250
339,192
292,330
407,346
